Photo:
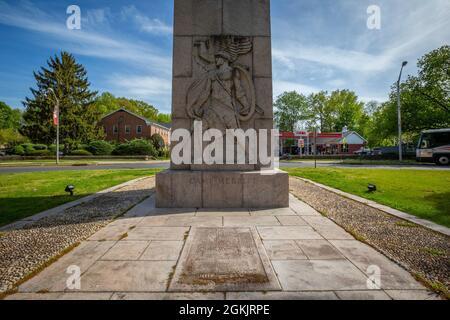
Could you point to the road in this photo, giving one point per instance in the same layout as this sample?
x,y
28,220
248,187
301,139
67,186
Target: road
x,y
165,165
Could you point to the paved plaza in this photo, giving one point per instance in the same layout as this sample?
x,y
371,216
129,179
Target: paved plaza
x,y
288,253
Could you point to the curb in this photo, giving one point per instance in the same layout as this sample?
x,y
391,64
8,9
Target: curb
x,y
394,212
59,209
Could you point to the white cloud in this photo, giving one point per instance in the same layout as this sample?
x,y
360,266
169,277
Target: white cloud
x,y
85,41
146,24
281,86
144,86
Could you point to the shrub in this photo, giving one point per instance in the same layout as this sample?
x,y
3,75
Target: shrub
x,y
19,150
100,148
39,153
52,148
136,147
40,147
164,153
28,148
158,141
80,152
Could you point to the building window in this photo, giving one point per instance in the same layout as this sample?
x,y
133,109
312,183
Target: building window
x,y
139,129
345,148
115,129
127,129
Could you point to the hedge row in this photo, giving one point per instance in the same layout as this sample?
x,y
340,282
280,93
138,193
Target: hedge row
x,y
97,148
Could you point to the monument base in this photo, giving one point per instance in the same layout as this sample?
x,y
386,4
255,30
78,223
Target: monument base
x,y
222,189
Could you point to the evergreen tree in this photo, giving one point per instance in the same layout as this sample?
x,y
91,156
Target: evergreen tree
x,y
78,116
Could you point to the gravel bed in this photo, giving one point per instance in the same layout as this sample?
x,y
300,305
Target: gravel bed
x,y
419,250
25,250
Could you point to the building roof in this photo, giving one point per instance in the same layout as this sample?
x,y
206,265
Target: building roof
x,y
165,126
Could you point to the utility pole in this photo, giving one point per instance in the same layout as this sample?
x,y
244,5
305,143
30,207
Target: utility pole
x,y
399,115
315,147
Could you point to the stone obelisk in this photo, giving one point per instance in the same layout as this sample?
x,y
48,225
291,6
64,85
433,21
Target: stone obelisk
x,y
222,76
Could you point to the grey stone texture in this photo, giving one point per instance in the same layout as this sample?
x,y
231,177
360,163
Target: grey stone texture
x,y
221,189
198,22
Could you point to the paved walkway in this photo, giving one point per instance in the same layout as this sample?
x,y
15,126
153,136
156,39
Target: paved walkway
x,y
290,253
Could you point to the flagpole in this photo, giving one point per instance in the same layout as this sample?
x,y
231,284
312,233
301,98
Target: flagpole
x,y
56,111
57,135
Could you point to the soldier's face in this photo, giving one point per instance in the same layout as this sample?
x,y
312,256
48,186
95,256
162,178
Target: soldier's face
x,y
219,61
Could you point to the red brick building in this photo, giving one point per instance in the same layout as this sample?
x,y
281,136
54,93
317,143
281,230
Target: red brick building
x,y
123,125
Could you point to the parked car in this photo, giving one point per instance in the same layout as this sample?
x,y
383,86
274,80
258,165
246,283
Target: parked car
x,y
362,151
376,151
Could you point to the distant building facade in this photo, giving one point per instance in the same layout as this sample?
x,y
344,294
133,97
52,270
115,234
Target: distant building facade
x,y
123,125
327,143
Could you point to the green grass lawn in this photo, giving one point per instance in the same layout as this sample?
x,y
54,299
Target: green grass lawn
x,y
24,194
423,193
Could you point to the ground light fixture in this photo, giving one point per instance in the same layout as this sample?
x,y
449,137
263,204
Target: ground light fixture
x,y
70,188
371,187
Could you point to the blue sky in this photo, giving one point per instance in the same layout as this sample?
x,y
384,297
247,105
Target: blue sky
x,y
126,46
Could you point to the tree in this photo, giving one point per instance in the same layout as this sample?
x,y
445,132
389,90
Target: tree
x,y
321,111
78,115
347,110
425,100
292,107
9,118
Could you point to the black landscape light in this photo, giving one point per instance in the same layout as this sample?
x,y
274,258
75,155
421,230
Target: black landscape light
x,y
70,189
372,187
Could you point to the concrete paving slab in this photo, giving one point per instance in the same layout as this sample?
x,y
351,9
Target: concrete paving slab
x,y
168,296
301,208
288,233
223,259
177,221
319,250
153,221
126,250
136,276
363,256
141,209
291,221
413,295
163,250
321,275
54,277
363,295
333,232
301,295
272,212
110,233
157,233
250,221
61,296
126,222
223,213
283,250
317,221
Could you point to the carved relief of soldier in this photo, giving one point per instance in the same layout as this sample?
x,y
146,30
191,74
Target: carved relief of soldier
x,y
223,95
